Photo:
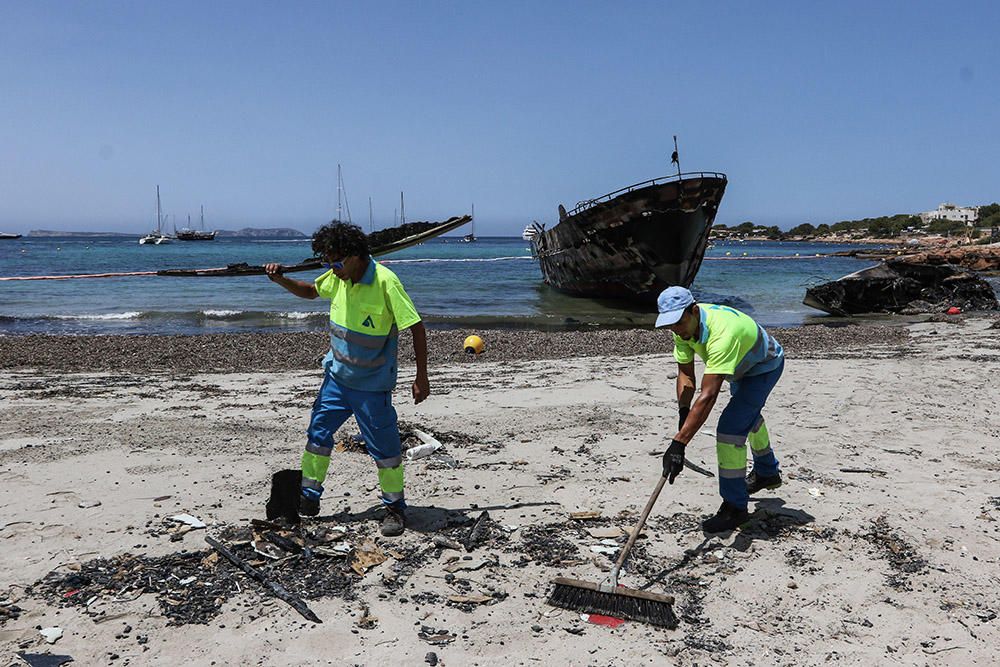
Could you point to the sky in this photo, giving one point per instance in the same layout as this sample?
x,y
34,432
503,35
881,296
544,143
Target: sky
x,y
817,112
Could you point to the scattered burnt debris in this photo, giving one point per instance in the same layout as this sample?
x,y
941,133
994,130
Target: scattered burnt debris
x,y
192,586
406,562
689,594
707,643
9,612
770,523
347,441
903,558
544,545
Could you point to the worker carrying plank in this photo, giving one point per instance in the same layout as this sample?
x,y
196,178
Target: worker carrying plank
x,y
734,348
368,308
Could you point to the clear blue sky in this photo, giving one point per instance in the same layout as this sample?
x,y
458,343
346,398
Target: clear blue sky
x,y
817,111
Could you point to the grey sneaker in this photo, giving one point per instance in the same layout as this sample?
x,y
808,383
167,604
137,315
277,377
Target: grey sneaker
x,y
394,522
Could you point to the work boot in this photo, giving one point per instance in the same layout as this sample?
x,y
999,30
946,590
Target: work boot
x,y
308,506
394,522
757,482
729,517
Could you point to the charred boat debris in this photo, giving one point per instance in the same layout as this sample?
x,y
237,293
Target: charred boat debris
x,y
903,286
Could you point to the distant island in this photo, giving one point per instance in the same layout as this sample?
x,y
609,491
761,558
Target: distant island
x,y
245,233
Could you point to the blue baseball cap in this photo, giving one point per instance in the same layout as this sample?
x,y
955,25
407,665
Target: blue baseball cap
x,y
671,304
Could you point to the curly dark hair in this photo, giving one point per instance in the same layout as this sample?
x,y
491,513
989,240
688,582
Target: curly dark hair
x,y
340,239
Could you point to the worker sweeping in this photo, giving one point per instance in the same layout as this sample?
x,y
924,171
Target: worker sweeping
x,y
368,308
734,348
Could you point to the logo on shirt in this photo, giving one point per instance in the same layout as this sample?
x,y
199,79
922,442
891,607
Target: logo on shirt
x,y
368,322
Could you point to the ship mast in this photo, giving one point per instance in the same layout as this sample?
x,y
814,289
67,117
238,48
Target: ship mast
x,y
158,216
342,203
340,186
675,158
371,224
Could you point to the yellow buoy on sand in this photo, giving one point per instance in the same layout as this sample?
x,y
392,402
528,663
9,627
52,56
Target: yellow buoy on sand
x,y
474,345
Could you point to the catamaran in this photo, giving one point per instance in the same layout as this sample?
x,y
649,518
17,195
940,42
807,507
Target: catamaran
x,y
156,237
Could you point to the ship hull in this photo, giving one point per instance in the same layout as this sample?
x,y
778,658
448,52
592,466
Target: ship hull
x,y
189,235
633,244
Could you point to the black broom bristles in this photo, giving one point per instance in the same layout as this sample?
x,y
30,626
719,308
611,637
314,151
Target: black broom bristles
x,y
623,603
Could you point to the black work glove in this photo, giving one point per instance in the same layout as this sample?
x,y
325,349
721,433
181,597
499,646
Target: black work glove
x,y
673,460
682,415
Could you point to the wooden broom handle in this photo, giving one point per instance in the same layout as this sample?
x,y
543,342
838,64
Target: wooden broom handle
x,y
642,521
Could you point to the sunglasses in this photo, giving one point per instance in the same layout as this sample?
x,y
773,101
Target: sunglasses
x,y
339,264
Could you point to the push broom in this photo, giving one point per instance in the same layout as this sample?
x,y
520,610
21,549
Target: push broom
x,y
610,599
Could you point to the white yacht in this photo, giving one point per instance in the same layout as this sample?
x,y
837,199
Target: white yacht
x,y
156,237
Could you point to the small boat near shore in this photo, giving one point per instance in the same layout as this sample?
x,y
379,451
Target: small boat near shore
x,y
632,243
8,237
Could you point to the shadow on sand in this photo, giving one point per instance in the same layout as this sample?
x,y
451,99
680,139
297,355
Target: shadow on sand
x,y
769,520
428,519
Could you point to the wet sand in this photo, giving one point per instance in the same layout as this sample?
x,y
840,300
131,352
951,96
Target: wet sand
x,y
881,547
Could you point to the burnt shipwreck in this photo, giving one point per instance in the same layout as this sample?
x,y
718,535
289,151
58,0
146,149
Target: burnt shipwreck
x,y
904,285
632,243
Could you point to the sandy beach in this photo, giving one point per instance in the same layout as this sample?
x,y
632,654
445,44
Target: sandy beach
x,y
881,547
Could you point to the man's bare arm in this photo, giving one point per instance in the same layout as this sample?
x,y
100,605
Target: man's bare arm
x,y
296,287
421,385
702,408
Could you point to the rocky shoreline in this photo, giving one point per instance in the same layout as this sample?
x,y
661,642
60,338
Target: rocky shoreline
x,y
225,353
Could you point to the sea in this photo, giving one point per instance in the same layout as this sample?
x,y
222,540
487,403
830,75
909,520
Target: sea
x,y
490,283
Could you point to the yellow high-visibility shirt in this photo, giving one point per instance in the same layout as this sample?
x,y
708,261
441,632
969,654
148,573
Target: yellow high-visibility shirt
x,y
365,320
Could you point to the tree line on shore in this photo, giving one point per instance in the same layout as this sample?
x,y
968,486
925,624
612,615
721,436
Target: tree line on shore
x,y
889,226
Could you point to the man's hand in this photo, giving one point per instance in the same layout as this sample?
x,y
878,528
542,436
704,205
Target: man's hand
x,y
673,460
682,415
421,389
273,270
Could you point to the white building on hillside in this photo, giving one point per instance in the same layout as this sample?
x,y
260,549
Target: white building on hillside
x,y
967,214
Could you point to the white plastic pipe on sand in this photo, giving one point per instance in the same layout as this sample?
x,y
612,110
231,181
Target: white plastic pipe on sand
x,y
431,445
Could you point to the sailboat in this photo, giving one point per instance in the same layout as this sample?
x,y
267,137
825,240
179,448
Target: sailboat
x,y
342,202
471,236
156,237
189,234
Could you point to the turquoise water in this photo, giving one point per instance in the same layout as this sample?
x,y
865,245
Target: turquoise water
x,y
493,282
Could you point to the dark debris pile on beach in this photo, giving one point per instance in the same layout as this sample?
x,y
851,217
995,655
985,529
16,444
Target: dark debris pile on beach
x,y
192,586
271,352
